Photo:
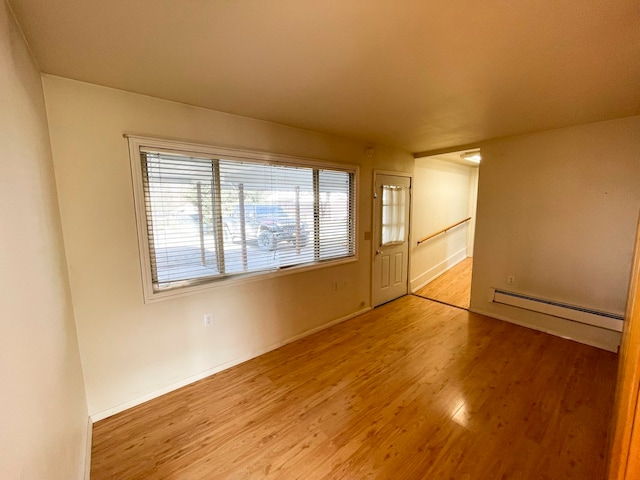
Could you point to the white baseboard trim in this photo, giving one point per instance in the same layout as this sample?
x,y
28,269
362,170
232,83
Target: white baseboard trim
x,y
218,368
557,333
87,453
434,272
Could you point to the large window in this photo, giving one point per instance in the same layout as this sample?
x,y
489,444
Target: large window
x,y
208,214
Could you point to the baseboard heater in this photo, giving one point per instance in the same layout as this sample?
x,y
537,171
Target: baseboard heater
x,y
610,321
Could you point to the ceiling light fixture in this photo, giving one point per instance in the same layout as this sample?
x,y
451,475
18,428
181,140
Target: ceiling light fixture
x,y
471,156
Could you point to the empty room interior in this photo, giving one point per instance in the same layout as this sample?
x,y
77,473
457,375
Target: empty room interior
x,y
319,240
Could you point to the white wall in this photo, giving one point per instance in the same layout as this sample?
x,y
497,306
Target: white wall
x,y
43,413
558,210
132,351
443,194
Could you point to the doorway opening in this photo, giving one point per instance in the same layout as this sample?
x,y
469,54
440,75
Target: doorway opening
x,y
444,215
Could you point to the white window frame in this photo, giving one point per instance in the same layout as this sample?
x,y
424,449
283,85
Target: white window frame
x,y
136,143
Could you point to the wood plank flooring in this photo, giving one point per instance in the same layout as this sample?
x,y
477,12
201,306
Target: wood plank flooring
x,y
453,286
411,390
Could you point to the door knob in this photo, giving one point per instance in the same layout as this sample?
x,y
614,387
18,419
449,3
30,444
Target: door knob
x,y
379,252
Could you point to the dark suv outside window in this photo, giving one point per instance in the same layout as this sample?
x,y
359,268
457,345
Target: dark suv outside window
x,y
268,225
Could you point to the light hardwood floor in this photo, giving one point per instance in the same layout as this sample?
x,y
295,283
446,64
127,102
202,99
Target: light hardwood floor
x,y
453,286
411,390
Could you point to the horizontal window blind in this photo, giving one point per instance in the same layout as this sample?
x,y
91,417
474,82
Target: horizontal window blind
x,y
210,218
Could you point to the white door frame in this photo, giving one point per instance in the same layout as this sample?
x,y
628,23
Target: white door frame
x,y
375,226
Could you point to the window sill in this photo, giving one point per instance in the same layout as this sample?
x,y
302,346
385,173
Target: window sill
x,y
151,296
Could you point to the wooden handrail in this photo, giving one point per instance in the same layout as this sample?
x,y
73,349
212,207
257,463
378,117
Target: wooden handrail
x,y
443,230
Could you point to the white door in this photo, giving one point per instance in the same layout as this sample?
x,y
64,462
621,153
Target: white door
x,y
391,201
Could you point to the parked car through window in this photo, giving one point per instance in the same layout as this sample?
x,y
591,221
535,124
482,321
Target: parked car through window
x,y
268,225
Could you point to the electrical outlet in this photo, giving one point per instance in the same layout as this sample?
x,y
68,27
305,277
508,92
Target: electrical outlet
x,y
208,319
511,279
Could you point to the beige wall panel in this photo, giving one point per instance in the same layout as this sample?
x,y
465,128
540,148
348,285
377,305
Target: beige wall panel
x,y
43,412
131,350
557,210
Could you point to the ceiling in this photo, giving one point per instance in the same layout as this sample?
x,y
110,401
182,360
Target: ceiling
x,y
416,74
456,157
